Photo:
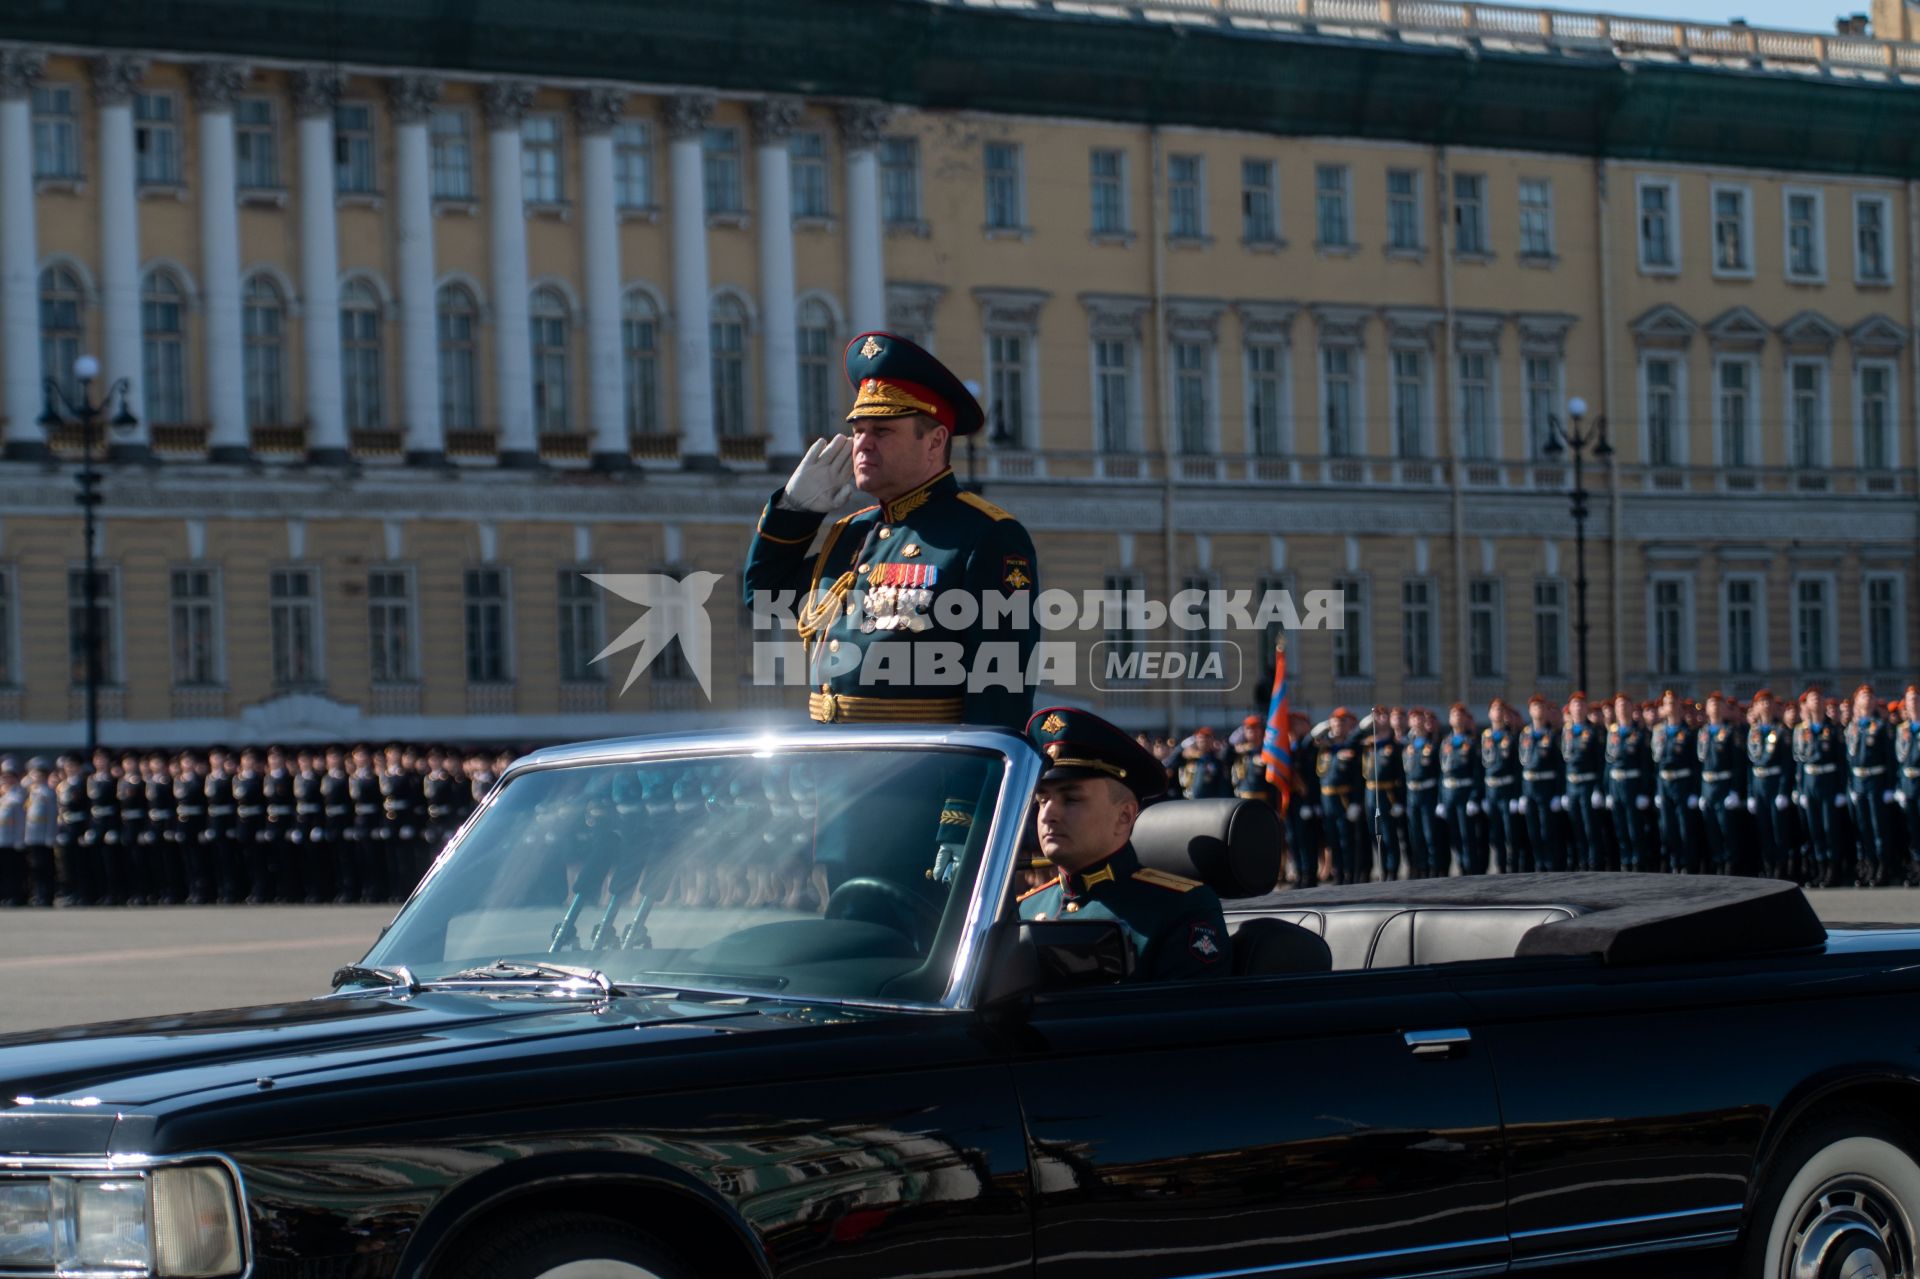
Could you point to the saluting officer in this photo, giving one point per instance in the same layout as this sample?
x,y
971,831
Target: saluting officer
x,y
1500,761
1384,773
1676,754
1420,762
1629,781
1723,765
1819,754
868,595
1906,751
1248,772
1543,786
1340,789
1462,791
1870,791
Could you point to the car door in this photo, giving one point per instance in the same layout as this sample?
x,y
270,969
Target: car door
x,y
1340,1123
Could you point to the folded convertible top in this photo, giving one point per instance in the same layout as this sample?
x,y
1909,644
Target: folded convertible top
x,y
1623,918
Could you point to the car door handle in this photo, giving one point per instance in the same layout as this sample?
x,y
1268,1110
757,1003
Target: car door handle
x,y
1437,1043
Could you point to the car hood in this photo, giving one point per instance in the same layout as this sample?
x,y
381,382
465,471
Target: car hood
x,y
81,1076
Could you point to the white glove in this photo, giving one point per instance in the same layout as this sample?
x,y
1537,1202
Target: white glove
x,y
1473,808
1520,805
1659,801
1693,801
1439,810
1398,810
1798,799
1556,804
1353,812
824,478
1886,797
1839,801
1900,798
1732,802
1640,802
1753,805
1600,801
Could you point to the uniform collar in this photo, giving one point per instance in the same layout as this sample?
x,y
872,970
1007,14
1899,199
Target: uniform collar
x,y
941,485
1114,868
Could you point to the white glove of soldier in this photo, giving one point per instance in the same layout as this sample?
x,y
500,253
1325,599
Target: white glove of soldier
x,y
1753,805
1596,801
1798,799
1640,802
1556,804
1886,797
1732,802
1693,801
1439,810
1398,810
1839,801
1473,808
1353,812
1520,805
1900,798
824,478
1659,801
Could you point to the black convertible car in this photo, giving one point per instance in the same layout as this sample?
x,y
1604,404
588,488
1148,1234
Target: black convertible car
x,y
729,1005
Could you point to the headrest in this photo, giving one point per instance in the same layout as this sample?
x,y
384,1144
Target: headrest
x,y
1230,845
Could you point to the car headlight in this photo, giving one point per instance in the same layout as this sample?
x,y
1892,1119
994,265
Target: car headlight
x,y
168,1223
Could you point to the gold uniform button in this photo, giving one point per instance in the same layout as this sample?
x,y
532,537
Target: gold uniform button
x,y
885,533
833,646
864,567
1072,906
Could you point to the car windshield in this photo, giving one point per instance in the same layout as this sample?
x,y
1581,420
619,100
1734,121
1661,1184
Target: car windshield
x,y
830,873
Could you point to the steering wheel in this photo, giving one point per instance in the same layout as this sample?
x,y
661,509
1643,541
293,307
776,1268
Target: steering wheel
x,y
877,901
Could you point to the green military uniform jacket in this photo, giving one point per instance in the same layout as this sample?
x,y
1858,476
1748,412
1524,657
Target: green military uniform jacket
x,y
1174,923
866,604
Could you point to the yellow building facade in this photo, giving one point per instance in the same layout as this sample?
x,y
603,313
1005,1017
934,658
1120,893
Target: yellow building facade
x,y
411,350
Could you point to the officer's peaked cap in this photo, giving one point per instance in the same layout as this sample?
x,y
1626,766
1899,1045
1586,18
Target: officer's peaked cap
x,y
893,377
1079,744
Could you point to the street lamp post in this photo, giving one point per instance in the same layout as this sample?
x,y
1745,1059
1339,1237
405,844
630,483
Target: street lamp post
x,y
1579,441
86,411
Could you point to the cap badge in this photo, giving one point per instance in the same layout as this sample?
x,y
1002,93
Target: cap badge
x,y
871,347
1052,724
911,550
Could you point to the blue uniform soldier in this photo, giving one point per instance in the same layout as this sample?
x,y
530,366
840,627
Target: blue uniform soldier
x,y
878,647
1870,780
1462,791
1088,799
1543,787
1770,783
1819,756
1500,760
1676,754
1420,762
1303,808
1906,753
1723,766
1583,748
1338,767
1385,775
1629,782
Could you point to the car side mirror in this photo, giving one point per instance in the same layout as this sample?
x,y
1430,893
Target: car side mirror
x,y
1035,956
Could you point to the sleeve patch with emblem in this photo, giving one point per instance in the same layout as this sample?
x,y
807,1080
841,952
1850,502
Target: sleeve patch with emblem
x,y
1204,941
1016,572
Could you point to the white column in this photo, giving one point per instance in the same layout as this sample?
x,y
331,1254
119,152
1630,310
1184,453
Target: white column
x,y
315,95
114,81
692,341
597,111
411,99
773,121
505,102
861,125
214,86
19,250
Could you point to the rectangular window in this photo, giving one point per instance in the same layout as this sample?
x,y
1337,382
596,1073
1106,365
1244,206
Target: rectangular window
x,y
1735,405
1669,626
262,361
1884,646
1186,197
1807,413
1476,405
1333,223
1484,657
1872,219
1743,625
729,341
196,635
1812,614
456,327
1469,213
1805,257
294,623
9,676
1266,397
1731,233
1550,628
56,132
486,600
633,164
1191,395
256,145
1113,375
900,181
156,138
807,161
353,171
1417,627
1543,395
163,344
541,139
1876,414
1403,209
818,364
1005,208
1007,384
1350,640
390,631
106,621
580,626
1340,383
1410,403
720,168
1536,218
1658,248
1662,375
452,155
1122,637
1204,644
1259,202
1107,172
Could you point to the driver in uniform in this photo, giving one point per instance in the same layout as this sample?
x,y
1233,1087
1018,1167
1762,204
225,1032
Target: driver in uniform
x,y
1096,779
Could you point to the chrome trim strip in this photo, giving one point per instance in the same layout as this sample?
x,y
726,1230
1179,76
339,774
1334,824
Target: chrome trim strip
x,y
27,1165
1733,1209
1679,1243
1291,1267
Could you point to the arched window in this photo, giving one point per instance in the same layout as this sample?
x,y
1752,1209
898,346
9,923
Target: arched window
x,y
816,342
263,321
163,328
360,355
728,326
63,304
640,352
457,317
551,320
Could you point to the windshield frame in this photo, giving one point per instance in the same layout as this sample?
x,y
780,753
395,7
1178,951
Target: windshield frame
x,y
1020,770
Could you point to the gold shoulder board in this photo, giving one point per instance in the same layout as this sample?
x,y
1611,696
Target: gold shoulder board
x,y
1162,879
985,507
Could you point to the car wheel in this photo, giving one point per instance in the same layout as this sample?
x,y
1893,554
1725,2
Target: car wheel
x,y
1841,1203
562,1245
